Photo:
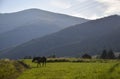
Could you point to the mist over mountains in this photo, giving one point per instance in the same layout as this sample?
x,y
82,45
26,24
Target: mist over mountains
x,y
89,37
20,27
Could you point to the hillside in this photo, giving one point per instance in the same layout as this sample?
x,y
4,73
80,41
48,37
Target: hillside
x,y
10,69
19,27
91,37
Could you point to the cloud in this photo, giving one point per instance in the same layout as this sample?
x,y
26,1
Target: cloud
x,y
94,9
81,0
112,6
90,9
62,4
87,9
85,15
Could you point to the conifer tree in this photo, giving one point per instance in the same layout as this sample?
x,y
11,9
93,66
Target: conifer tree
x,y
104,54
111,54
119,56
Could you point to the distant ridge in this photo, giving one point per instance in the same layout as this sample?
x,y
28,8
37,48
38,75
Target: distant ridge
x,y
19,27
90,37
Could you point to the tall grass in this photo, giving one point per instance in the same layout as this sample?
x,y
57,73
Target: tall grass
x,y
10,69
69,70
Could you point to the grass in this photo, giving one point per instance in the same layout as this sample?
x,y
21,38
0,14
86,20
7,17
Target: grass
x,y
110,69
10,69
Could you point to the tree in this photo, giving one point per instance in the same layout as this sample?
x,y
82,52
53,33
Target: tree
x,y
111,54
119,56
104,54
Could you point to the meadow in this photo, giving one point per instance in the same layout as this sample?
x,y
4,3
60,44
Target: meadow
x,y
97,69
11,69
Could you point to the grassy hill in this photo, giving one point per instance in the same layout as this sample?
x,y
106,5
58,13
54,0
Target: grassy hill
x,y
11,69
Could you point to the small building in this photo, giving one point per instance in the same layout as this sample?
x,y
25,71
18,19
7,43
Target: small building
x,y
86,56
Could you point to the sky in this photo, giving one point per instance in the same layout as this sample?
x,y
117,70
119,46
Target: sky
x,y
89,9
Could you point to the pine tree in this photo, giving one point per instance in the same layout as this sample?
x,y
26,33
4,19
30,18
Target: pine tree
x,y
104,54
111,54
119,56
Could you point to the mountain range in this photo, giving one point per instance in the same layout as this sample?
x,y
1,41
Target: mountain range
x,y
19,27
90,37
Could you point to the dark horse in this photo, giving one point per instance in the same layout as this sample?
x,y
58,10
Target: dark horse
x,y
40,61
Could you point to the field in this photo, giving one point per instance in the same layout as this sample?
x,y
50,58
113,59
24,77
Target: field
x,y
109,69
10,69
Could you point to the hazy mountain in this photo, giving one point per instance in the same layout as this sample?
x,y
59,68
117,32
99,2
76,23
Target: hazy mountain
x,y
23,26
91,37
9,21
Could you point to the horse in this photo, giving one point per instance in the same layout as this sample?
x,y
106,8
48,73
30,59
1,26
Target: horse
x,y
40,61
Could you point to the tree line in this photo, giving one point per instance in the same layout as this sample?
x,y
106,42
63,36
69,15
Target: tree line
x,y
108,55
104,55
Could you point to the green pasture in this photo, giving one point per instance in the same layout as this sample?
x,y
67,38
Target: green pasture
x,y
108,69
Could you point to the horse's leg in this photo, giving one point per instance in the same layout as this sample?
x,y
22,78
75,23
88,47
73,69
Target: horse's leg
x,y
40,64
37,64
45,63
